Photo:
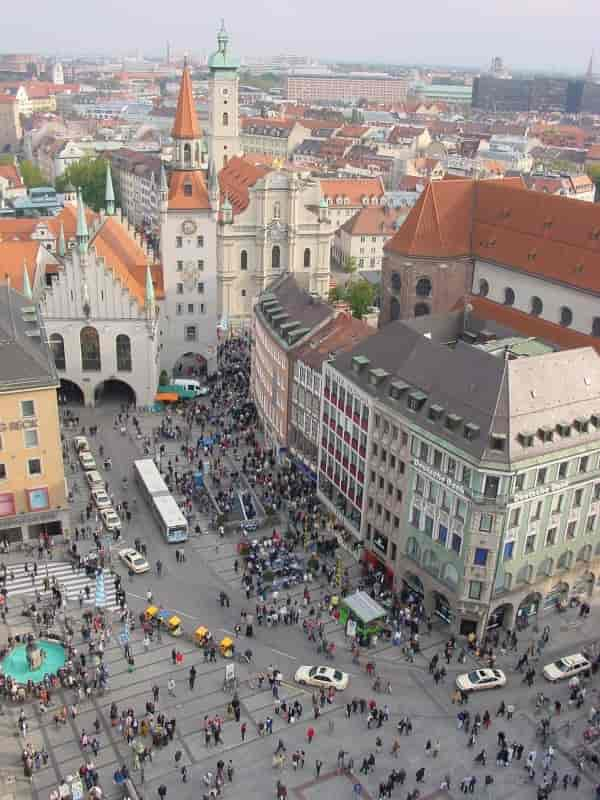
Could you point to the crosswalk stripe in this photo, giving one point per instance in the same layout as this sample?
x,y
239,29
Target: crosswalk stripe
x,y
71,582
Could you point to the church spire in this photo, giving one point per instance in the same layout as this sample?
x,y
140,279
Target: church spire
x,y
61,248
82,235
186,120
109,193
26,282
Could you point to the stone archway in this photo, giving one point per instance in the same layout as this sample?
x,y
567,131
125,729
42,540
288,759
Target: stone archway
x,y
557,594
114,392
190,365
529,606
70,393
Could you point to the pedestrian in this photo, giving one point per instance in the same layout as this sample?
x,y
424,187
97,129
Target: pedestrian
x,y
310,734
243,729
178,755
162,791
171,687
420,775
318,765
192,678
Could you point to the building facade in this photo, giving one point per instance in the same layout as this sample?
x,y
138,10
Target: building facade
x,y
346,87
277,138
223,99
33,494
11,131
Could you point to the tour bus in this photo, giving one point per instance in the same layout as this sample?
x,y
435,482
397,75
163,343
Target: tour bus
x,y
171,521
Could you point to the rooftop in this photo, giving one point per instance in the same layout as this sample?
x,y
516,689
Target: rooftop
x,y
289,311
338,335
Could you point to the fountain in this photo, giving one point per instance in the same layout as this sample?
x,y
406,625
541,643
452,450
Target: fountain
x,y
33,659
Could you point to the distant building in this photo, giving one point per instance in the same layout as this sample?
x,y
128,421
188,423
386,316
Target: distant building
x,y
361,239
137,174
11,131
277,138
346,87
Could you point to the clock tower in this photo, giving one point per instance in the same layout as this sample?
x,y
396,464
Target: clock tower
x,y
223,112
188,222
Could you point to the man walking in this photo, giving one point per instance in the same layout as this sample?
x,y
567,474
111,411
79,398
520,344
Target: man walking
x,y
192,677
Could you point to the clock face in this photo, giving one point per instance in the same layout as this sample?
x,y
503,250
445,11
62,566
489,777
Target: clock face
x,y
224,91
189,227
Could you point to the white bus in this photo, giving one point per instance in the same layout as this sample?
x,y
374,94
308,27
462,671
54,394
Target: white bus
x,y
172,523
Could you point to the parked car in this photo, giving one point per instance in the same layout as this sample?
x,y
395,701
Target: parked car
x,y
481,679
94,479
324,677
101,499
80,443
111,520
86,460
133,560
567,667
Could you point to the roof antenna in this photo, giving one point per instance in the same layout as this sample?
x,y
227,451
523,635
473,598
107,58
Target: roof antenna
x,y
13,330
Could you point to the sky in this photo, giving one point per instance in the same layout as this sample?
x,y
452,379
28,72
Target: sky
x,y
529,34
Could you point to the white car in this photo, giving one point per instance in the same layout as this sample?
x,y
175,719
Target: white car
x,y
133,560
80,443
481,679
566,667
86,460
323,677
111,519
94,479
101,499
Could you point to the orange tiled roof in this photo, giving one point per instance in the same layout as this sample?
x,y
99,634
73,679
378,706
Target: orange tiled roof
x,y
527,325
13,254
123,256
353,189
374,221
186,121
197,198
340,334
236,178
11,173
352,131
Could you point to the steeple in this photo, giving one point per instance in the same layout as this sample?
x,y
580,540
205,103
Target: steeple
x,y
150,296
61,248
81,235
213,183
109,193
186,120
26,282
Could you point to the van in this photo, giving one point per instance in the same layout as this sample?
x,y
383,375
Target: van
x,y
191,385
94,479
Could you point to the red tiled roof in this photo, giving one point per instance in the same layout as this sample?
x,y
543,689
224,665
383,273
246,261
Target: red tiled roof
x,y
183,198
236,178
374,221
353,189
338,335
13,255
186,121
11,173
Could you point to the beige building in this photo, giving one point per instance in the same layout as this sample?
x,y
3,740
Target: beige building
x,y
360,240
272,137
10,123
33,497
347,87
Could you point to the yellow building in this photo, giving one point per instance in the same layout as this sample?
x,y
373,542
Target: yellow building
x,y
33,499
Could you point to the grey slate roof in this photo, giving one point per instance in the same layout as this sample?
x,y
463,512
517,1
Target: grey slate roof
x,y
297,303
485,391
25,360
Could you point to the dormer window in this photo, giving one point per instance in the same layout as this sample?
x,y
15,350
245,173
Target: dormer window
x,y
546,433
581,424
564,429
471,431
498,442
453,421
416,400
435,412
526,439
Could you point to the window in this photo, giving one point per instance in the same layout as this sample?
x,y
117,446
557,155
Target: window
x,y
199,241
577,498
27,408
451,468
179,241
429,526
536,306
509,296
442,534
456,543
571,527
424,452
590,523
57,345
461,509
466,476
225,119
187,154
421,310
515,518
475,588
187,189
31,437
307,257
563,469
190,308
7,504
558,504
530,544
509,549
584,463
200,288
566,316
492,482
551,535
423,288
243,260
90,349
179,288
486,522
399,495
34,466
3,472
395,281
415,518
277,210
437,459
541,476
275,257
190,333
179,266
536,511
394,309
123,353
200,265
484,288
179,308
596,326
481,556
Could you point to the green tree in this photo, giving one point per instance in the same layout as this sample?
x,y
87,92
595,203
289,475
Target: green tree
x,y
350,264
89,174
32,175
360,295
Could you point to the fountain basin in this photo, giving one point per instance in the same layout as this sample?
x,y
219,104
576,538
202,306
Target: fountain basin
x,y
16,665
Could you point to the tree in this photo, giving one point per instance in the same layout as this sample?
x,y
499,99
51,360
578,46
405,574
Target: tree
x,y
89,174
360,295
350,264
32,175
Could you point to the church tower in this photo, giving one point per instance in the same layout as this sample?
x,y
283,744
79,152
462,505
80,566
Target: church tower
x,y
223,99
188,222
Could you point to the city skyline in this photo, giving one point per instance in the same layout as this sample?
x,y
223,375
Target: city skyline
x,y
460,36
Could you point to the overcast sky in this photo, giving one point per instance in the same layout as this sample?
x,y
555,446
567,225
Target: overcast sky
x,y
542,34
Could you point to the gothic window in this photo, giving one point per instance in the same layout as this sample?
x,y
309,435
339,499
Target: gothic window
x,y
394,309
395,281
57,345
423,287
275,257
243,260
277,210
187,154
421,310
509,296
225,119
536,306
123,352
307,257
90,349
566,316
